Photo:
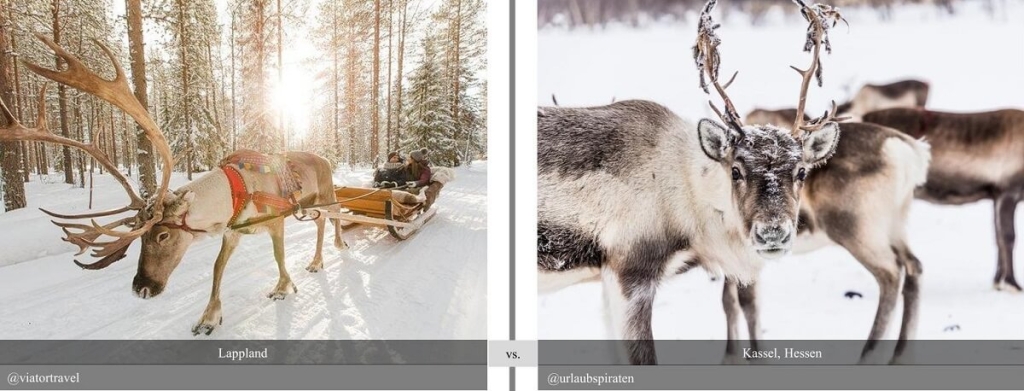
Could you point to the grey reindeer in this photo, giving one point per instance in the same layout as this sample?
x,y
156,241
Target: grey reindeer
x,y
630,193
861,201
767,178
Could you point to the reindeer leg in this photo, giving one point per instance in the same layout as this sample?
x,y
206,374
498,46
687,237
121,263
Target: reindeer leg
x,y
748,301
731,305
883,265
630,284
339,243
284,283
317,263
911,286
629,308
1005,209
212,317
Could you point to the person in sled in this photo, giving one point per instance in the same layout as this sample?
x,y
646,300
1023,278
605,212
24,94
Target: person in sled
x,y
419,175
392,174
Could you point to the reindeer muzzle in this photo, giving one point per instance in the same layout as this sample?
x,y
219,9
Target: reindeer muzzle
x,y
772,240
145,287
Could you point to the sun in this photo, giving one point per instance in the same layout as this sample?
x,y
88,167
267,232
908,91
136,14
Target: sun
x,y
293,100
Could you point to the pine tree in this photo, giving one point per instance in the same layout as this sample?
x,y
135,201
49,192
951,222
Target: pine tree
x,y
10,152
429,116
187,115
258,131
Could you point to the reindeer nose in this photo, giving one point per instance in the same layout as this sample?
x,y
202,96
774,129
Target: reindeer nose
x,y
772,235
146,288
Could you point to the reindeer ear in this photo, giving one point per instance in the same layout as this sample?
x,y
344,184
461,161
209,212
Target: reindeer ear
x,y
820,144
178,203
189,196
716,140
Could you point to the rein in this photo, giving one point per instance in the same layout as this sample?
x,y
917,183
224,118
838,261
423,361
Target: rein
x,y
183,226
241,198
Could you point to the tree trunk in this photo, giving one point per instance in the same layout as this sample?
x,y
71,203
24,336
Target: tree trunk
x,y
375,87
136,48
280,77
80,135
44,160
27,147
401,60
350,92
260,59
185,101
113,138
389,142
212,97
234,100
62,99
457,69
336,80
10,152
126,129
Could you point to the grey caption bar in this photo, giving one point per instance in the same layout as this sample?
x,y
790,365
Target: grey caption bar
x,y
754,377
244,377
778,352
175,352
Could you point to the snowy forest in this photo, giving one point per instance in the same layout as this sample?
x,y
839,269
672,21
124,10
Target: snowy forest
x,y
349,80
577,13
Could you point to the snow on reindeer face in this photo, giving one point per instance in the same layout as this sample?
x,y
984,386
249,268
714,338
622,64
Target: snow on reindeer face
x,y
767,167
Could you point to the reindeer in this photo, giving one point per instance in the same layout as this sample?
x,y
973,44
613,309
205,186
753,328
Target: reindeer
x,y
905,93
631,193
170,221
976,156
859,200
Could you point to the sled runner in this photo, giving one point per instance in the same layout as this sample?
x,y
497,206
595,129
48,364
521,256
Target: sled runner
x,y
400,211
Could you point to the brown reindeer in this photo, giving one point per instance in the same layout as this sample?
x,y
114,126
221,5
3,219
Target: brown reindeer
x,y
859,200
905,93
171,221
871,97
975,156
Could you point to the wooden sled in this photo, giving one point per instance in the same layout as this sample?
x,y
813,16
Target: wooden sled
x,y
401,212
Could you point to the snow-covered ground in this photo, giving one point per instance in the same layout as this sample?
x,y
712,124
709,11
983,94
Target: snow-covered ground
x,y
973,61
430,286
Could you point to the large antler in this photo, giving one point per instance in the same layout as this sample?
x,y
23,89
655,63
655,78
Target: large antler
x,y
15,131
818,16
705,55
118,93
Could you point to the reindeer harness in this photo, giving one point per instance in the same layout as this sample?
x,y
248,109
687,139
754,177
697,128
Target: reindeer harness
x,y
276,204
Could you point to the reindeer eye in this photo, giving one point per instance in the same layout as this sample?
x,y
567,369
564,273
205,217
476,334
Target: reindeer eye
x,y
801,175
161,237
736,175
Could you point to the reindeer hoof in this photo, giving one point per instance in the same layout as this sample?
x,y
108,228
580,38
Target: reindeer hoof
x,y
205,328
1011,286
277,296
315,268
